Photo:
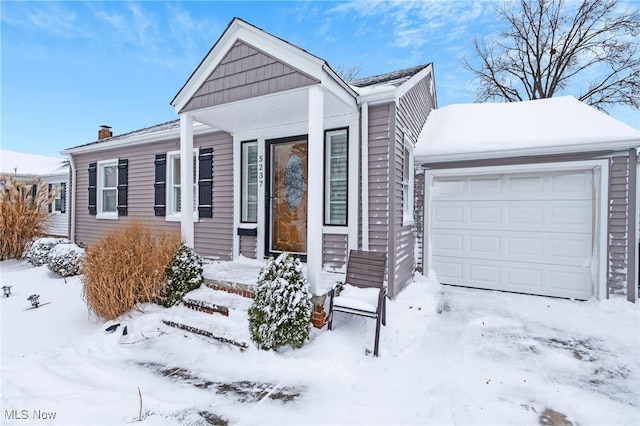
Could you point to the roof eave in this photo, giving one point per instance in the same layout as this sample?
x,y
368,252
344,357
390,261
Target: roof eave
x,y
603,146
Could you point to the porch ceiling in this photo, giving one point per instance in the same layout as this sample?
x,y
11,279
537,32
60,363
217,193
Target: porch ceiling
x,y
269,111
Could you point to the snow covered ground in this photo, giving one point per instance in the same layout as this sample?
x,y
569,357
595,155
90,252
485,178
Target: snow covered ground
x,y
447,356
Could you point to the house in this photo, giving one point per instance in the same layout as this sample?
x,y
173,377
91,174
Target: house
x,y
51,171
277,153
535,197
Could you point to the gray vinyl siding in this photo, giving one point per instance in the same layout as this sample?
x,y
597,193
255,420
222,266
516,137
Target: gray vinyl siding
x,y
621,258
379,136
334,250
412,111
248,246
140,200
213,237
246,72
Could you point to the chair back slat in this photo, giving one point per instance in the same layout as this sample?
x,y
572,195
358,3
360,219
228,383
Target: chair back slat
x,y
366,268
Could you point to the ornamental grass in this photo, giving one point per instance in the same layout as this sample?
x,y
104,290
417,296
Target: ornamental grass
x,y
24,214
126,266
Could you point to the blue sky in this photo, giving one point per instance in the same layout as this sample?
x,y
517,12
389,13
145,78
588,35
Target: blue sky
x,y
69,67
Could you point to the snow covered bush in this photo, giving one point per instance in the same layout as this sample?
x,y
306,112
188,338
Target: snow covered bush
x,y
65,259
38,253
184,274
281,311
126,266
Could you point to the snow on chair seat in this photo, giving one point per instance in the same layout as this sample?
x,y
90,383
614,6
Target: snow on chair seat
x,y
363,292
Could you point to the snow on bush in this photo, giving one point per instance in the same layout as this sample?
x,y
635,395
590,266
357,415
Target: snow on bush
x,y
281,311
65,259
184,274
38,253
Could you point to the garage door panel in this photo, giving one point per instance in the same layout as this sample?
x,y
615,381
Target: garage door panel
x,y
522,232
534,247
560,216
519,277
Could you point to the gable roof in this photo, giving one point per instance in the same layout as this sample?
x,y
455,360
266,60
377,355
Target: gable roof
x,y
496,130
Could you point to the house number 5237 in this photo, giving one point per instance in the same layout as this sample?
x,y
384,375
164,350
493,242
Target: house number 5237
x,y
260,170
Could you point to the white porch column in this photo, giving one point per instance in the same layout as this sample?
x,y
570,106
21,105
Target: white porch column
x,y
315,186
186,179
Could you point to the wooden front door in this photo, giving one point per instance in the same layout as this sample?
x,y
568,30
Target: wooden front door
x,y
289,196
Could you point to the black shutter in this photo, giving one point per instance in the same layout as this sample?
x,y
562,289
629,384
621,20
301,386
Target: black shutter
x,y
93,181
123,182
63,197
205,182
160,185
51,203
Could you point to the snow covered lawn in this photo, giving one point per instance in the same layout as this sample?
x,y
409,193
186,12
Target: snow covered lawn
x,y
447,356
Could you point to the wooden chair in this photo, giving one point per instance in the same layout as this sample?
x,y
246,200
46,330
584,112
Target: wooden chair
x,y
363,292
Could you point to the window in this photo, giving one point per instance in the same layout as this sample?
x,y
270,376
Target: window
x,y
174,185
59,203
108,189
249,211
336,177
407,182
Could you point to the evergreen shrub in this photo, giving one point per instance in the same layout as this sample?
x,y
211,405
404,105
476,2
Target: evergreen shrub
x,y
281,311
184,274
38,253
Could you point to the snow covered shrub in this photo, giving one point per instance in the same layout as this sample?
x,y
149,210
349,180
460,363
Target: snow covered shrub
x,y
281,311
184,274
24,212
126,266
65,259
38,253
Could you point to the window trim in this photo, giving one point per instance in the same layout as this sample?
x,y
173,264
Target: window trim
x,y
326,178
60,191
170,214
408,185
244,182
100,188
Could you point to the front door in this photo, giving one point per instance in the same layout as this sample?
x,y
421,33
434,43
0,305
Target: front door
x,y
288,196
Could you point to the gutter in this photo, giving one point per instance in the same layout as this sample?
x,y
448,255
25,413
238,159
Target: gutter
x,y
72,204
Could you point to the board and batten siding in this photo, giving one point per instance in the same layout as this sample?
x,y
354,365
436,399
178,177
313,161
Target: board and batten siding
x,y
246,72
412,111
213,236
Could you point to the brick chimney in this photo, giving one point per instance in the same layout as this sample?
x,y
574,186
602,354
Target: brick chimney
x,y
104,132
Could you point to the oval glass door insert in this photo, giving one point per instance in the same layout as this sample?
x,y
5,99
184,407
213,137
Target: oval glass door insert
x,y
293,182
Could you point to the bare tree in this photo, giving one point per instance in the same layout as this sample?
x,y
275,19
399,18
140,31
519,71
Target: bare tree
x,y
349,73
551,46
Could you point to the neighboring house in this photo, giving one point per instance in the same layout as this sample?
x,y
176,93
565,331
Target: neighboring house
x,y
277,153
51,171
532,197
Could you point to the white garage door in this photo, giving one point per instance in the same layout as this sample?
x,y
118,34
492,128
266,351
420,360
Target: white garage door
x,y
526,233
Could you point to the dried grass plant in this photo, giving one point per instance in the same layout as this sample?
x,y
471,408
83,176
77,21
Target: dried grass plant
x,y
125,267
23,214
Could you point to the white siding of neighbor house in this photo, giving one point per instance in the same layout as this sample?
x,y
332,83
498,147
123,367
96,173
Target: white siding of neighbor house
x,y
59,222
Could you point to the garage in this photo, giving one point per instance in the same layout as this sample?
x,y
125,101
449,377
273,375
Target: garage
x,y
521,232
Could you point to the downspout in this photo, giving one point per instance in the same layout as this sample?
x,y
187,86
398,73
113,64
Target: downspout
x,y
364,167
72,202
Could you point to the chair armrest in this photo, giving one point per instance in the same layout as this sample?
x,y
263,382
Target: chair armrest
x,y
382,295
337,288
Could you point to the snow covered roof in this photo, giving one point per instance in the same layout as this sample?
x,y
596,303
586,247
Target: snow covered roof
x,y
30,164
496,130
393,78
